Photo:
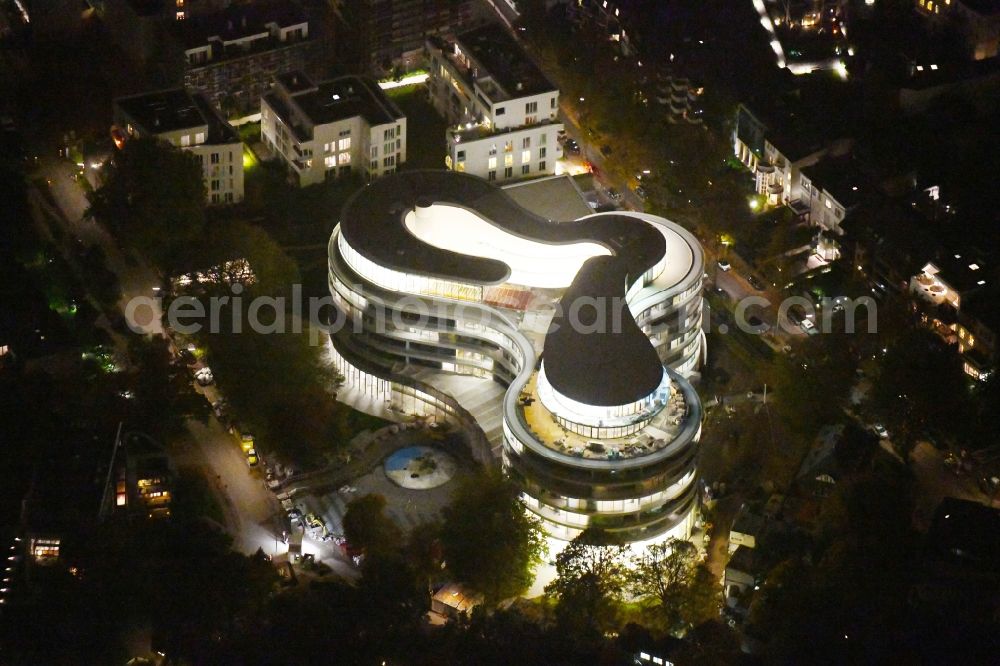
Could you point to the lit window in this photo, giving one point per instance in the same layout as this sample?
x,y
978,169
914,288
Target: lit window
x,y
345,158
179,16
344,144
186,140
508,160
330,161
493,163
525,156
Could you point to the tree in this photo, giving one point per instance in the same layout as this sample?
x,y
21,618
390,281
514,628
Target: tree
x,y
274,272
490,542
810,389
162,393
154,196
591,575
921,386
683,588
368,529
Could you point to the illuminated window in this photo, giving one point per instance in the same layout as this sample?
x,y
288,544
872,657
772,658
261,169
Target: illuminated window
x,y
330,161
179,16
344,144
525,156
345,158
508,160
493,164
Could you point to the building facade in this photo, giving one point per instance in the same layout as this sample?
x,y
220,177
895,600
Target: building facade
x,y
978,22
234,55
331,129
503,112
391,32
188,121
589,327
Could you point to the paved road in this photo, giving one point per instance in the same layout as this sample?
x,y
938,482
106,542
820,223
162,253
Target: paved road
x,y
135,277
251,510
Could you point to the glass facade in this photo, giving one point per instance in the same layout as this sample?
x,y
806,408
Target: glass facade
x,y
642,497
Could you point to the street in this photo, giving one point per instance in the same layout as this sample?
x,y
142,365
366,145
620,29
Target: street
x,y
253,515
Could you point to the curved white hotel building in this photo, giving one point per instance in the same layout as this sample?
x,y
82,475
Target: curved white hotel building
x,y
588,328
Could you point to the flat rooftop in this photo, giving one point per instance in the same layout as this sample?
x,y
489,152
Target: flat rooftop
x,y
554,198
237,22
174,110
339,99
504,60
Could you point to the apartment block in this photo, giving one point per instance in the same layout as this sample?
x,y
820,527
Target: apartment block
x,y
187,120
331,129
502,110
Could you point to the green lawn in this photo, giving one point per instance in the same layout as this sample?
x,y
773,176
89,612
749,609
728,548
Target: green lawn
x,y
425,134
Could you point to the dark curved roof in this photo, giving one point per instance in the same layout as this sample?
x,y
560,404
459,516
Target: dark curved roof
x,y
595,353
615,366
372,222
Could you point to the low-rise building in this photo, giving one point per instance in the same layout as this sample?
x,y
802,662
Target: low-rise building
x,y
956,295
188,121
454,600
502,110
327,130
741,577
747,529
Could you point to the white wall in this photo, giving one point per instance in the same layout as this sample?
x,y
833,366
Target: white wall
x,y
489,154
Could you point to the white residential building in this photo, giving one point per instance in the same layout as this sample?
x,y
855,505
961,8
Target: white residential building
x,y
503,111
188,121
331,129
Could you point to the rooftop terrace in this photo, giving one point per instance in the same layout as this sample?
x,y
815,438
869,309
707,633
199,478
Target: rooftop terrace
x,y
656,436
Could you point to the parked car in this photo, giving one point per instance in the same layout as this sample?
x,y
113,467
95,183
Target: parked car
x,y
204,376
880,430
640,192
614,194
754,282
724,265
220,408
252,459
572,147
